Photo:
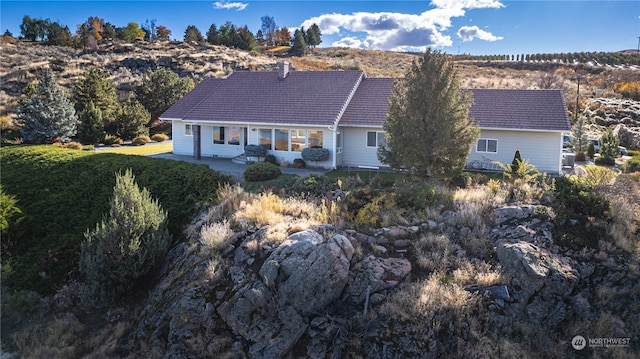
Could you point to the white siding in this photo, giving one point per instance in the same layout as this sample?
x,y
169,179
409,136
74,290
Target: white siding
x,y
355,150
182,145
542,149
210,149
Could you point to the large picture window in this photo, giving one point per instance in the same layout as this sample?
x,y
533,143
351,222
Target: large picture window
x,y
264,138
315,139
375,139
188,129
218,135
233,137
281,139
298,140
487,145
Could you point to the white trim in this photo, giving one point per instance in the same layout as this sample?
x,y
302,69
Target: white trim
x,y
487,145
250,124
520,129
190,132
367,139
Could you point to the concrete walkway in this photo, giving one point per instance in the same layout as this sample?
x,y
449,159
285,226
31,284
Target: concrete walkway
x,y
226,167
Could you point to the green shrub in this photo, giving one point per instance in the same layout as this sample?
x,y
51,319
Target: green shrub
x,y
141,140
315,154
421,196
591,150
111,140
8,210
261,171
128,242
573,196
632,165
47,241
255,151
160,137
88,148
299,163
313,185
271,159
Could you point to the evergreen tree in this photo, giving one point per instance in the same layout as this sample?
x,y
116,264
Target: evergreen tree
x,y
246,39
299,47
160,89
192,34
95,87
579,137
109,31
132,119
609,149
48,115
91,125
126,245
517,161
58,35
312,36
428,130
212,35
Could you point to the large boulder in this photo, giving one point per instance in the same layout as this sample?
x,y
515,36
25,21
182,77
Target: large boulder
x,y
300,277
629,137
542,281
377,274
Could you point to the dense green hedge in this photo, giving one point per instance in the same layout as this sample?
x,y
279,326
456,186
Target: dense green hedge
x,y
62,193
261,171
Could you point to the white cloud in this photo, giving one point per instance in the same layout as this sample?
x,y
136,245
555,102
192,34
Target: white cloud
x,y
398,31
468,33
225,5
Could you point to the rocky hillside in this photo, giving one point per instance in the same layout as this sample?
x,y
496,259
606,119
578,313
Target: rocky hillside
x,y
500,272
126,62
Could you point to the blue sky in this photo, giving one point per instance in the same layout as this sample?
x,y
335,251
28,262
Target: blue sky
x,y
479,27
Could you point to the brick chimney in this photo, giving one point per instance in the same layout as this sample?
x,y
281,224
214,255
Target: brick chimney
x,y
283,70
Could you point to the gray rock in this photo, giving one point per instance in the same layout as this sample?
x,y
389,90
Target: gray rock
x,y
545,279
300,277
380,274
511,213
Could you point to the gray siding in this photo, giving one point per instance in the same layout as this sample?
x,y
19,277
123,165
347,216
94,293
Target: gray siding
x,y
355,150
542,149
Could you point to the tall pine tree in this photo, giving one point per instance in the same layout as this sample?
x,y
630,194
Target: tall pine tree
x,y
91,125
428,130
96,87
48,115
160,89
299,47
132,120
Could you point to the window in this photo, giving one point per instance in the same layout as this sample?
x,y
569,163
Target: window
x,y
487,145
264,138
282,140
298,140
233,136
315,139
218,135
188,130
375,139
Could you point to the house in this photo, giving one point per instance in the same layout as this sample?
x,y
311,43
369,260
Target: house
x,y
343,111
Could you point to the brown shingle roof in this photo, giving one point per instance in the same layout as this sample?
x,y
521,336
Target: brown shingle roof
x,y
317,98
185,104
303,97
370,104
520,109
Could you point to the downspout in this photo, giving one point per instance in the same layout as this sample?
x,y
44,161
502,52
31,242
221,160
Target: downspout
x,y
334,129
